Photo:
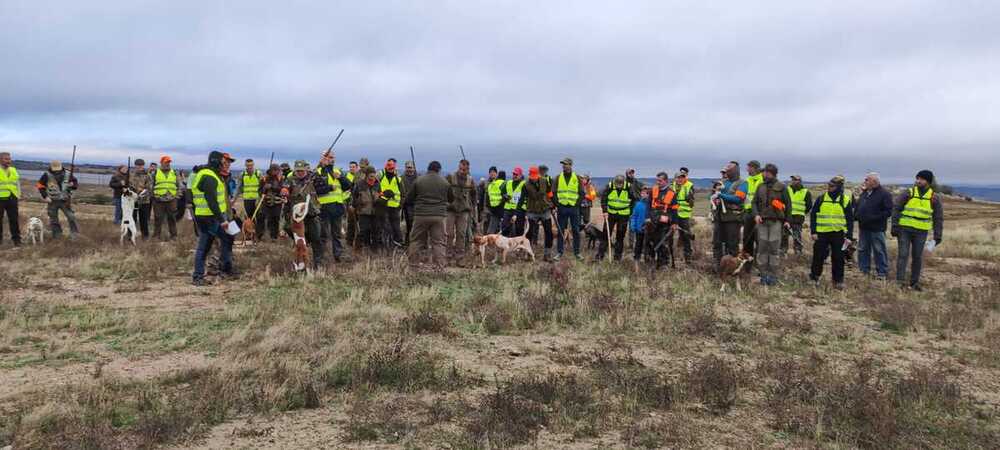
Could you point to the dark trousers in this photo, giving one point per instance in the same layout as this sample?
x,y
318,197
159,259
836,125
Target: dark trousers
x,y
181,205
269,218
209,230
368,232
164,212
8,207
618,227
543,221
793,233
512,223
727,240
352,227
911,246
639,246
141,216
53,209
117,220
683,238
389,220
332,214
828,244
568,218
659,252
584,216
408,220
749,234
496,218
249,206
312,225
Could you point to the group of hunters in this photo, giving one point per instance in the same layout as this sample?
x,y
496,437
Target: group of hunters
x,y
362,208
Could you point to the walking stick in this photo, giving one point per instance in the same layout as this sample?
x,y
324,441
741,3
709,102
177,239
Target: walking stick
x,y
607,232
261,202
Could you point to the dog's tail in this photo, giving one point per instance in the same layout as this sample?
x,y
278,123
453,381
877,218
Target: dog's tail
x,y
527,226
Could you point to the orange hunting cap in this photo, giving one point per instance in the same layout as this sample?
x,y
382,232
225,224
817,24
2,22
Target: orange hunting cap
x,y
165,159
533,173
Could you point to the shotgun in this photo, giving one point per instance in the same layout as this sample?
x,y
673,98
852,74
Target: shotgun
x,y
413,158
327,150
67,184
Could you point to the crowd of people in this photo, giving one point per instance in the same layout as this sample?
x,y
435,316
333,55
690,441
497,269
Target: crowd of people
x,y
365,209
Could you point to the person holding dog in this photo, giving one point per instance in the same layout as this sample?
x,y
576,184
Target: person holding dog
x,y
305,186
165,187
770,213
616,209
568,193
56,187
10,193
728,203
211,205
917,213
831,225
661,219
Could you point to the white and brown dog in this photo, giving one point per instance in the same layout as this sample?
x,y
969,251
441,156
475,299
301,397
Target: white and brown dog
x,y
731,267
128,229
299,212
506,245
36,231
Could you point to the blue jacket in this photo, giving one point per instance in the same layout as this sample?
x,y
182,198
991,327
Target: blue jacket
x,y
638,216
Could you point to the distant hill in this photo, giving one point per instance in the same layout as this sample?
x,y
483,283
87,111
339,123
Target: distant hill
x,y
81,168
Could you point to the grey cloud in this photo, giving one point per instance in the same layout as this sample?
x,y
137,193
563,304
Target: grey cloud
x,y
820,87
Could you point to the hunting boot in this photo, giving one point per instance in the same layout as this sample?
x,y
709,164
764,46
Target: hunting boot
x,y
547,255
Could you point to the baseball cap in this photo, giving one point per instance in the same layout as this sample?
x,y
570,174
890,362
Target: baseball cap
x,y
567,161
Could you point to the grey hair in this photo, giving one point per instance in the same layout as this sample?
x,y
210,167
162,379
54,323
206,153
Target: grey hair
x,y
874,175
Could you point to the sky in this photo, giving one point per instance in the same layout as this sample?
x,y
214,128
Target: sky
x,y
817,87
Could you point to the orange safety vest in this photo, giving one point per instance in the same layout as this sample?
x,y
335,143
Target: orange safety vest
x,y
668,198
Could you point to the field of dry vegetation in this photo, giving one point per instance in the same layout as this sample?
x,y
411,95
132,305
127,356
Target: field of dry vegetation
x,y
105,346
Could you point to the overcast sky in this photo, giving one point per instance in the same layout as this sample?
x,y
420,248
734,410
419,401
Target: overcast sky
x,y
817,87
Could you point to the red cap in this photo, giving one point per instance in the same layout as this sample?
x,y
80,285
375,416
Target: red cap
x,y
533,173
518,171
165,159
228,156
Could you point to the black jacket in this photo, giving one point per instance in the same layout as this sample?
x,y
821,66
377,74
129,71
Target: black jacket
x,y
874,209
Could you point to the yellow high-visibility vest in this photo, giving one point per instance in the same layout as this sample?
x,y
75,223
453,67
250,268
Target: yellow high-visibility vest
x,y
9,180
251,185
201,208
347,194
496,197
917,212
619,202
798,201
567,194
165,183
336,193
831,216
752,182
514,193
392,185
683,207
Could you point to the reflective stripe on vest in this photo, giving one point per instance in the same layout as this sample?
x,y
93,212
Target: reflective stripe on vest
x,y
165,184
752,183
683,207
392,185
618,202
201,208
514,193
9,180
251,185
918,212
831,216
496,197
798,201
336,193
567,194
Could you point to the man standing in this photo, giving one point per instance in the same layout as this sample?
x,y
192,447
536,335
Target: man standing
x,y
389,205
409,177
142,183
568,192
353,174
364,197
916,213
801,205
209,198
729,212
460,210
537,205
332,207
249,189
873,211
165,199
494,194
684,189
616,209
587,202
302,184
117,184
10,192
754,179
56,186
430,196
270,212
770,207
661,217
831,230
483,201
513,215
